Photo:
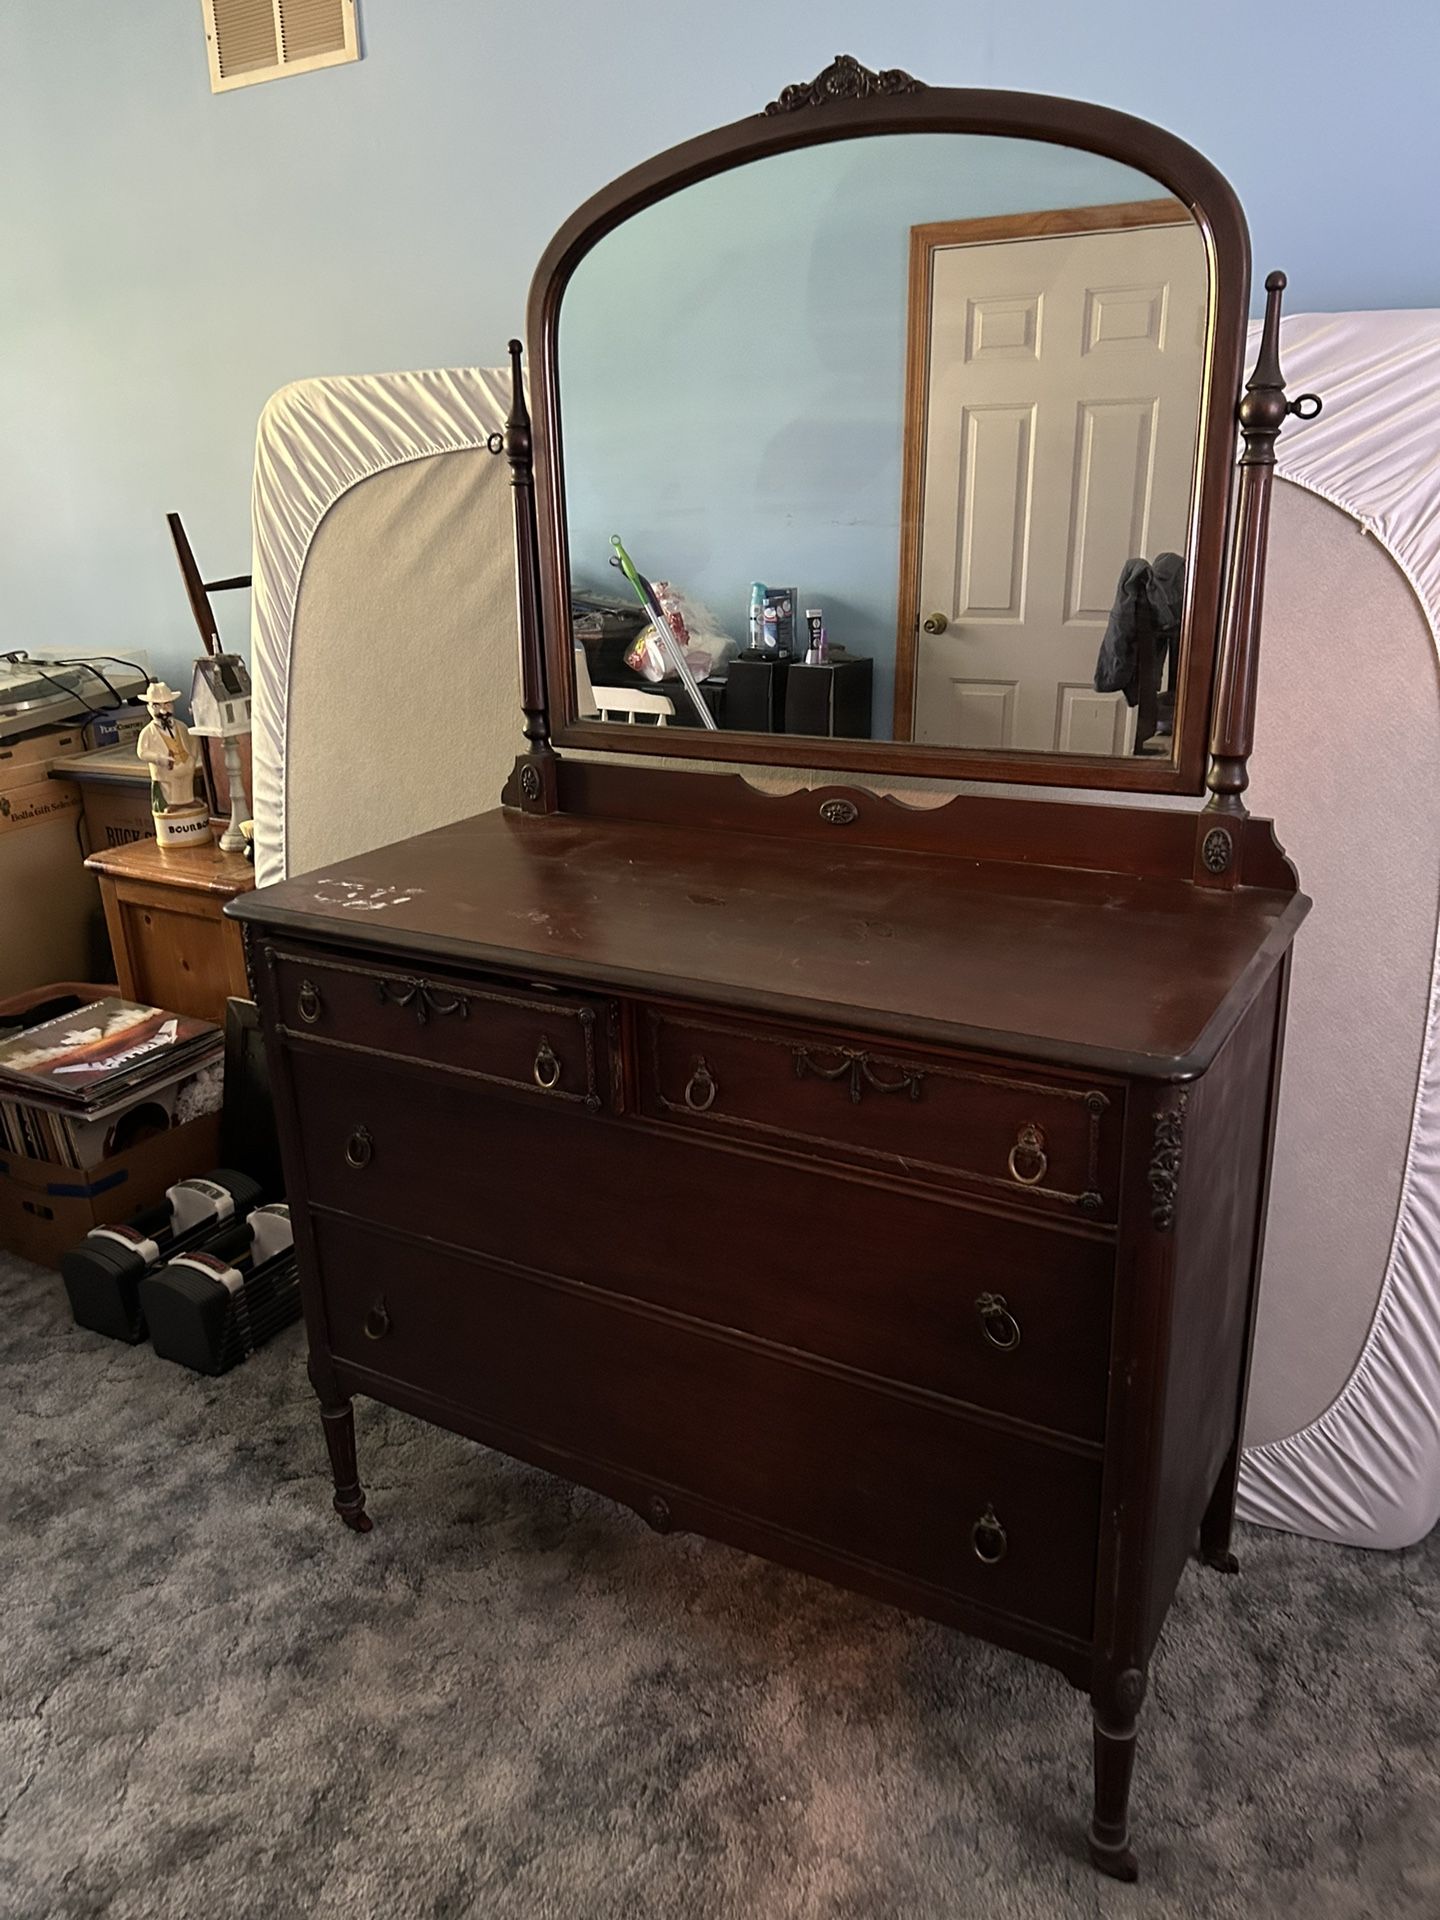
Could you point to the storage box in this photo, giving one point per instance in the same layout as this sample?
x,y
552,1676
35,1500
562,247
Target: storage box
x,y
22,762
48,903
51,923
115,792
44,799
46,1208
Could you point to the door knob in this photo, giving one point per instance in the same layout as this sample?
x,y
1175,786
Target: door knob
x,y
935,623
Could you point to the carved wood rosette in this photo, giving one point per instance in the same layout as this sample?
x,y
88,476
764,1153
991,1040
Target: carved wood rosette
x,y
1165,1158
250,947
533,786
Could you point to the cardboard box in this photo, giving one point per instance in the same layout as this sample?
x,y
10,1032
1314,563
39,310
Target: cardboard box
x,y
45,800
46,1208
115,792
51,923
22,762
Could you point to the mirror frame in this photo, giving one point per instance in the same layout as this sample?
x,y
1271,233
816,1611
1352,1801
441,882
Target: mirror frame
x,y
845,102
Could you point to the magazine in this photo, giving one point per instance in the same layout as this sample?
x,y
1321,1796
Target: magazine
x,y
82,1060
85,1137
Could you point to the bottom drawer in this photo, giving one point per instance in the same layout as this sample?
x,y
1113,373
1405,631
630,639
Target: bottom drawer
x,y
902,1484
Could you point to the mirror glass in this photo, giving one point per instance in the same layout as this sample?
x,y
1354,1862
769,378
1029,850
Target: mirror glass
x,y
899,437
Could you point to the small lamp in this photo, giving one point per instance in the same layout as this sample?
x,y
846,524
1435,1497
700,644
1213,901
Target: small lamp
x,y
220,710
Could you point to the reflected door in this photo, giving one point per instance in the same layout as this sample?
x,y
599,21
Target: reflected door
x,y
1062,379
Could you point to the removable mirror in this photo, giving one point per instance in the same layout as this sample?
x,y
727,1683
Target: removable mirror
x,y
896,438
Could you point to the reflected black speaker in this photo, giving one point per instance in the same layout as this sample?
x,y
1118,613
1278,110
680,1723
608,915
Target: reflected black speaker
x,y
755,695
833,700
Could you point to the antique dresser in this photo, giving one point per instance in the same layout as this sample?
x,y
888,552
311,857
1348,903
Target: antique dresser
x,y
875,1183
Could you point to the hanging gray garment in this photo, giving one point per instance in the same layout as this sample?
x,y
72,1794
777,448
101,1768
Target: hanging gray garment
x,y
1116,670
1160,588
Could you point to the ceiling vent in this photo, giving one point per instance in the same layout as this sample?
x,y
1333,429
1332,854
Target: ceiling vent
x,y
252,40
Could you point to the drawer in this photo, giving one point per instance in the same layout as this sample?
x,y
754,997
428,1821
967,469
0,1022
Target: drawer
x,y
1046,1140
1007,1314
905,1486
524,1040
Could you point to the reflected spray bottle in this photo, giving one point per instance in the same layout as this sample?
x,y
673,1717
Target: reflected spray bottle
x,y
757,616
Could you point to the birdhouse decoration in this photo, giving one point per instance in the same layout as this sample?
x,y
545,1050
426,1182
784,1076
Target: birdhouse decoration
x,y
220,697
220,710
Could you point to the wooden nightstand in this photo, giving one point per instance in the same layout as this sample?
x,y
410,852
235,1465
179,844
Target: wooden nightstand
x,y
164,907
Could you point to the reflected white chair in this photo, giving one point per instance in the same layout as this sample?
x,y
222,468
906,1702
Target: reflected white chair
x,y
619,703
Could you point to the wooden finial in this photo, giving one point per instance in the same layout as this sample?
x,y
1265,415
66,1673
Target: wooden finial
x,y
1263,405
536,788
1262,410
519,412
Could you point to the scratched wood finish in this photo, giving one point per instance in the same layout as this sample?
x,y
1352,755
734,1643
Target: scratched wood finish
x,y
1098,970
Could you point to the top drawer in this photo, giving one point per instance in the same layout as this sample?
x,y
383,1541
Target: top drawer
x,y
1040,1138
528,1040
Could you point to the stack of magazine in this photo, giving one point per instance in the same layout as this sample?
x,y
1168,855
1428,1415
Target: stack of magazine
x,y
91,1083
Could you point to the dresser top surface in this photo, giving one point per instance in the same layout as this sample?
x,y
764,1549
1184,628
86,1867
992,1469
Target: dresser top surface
x,y
1132,975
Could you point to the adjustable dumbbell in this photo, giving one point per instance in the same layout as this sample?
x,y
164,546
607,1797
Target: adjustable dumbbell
x,y
211,1305
103,1274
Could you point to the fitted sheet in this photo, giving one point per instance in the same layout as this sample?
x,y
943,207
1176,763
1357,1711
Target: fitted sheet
x,y
387,702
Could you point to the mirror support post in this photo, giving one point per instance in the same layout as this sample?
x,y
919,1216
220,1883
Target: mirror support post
x,y
1262,411
532,784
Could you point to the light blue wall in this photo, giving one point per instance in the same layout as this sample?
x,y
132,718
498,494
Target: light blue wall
x,y
732,371
169,258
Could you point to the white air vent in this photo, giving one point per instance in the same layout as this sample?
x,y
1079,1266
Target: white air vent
x,y
250,40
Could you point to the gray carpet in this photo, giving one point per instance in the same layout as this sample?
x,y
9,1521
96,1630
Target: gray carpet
x,y
512,1699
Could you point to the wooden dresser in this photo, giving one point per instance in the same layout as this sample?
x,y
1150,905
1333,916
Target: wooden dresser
x,y
901,1225
879,1188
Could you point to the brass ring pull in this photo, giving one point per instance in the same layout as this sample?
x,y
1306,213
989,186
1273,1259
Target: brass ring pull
x,y
701,1088
1028,1153
377,1321
988,1538
359,1147
997,1323
310,1003
547,1066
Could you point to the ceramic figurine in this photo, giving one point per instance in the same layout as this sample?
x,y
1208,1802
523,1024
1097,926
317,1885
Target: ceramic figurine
x,y
166,746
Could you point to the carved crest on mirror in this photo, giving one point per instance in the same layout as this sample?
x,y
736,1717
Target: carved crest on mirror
x,y
844,79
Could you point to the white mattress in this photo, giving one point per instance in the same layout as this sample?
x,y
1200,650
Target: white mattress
x,y
387,701
1346,1397
384,649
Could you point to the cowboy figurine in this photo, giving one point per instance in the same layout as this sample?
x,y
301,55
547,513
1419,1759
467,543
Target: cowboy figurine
x,y
166,745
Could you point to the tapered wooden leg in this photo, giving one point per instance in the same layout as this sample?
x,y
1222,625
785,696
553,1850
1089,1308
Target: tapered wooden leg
x,y
339,1424
1117,1713
1215,1528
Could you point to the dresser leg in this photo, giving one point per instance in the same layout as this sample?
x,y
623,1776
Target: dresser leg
x,y
1117,1713
1215,1528
339,1424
